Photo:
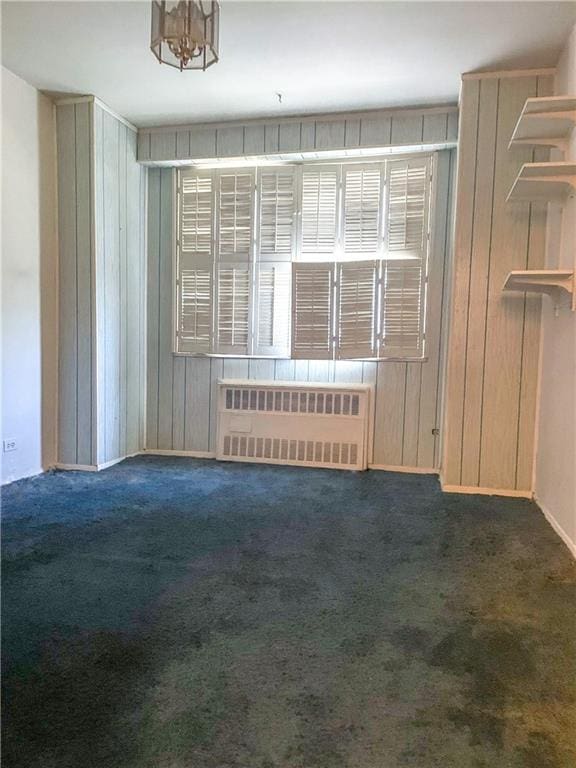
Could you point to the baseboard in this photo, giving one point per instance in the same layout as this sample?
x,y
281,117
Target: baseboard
x,y
189,454
111,463
557,528
474,490
77,467
407,470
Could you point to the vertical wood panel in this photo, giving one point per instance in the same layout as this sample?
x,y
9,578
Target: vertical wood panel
x,y
197,408
261,369
532,317
330,134
202,142
68,348
254,140
375,132
163,145
307,136
144,141
84,415
110,362
435,128
182,144
289,137
407,129
452,462
178,402
478,281
412,413
500,406
271,137
432,370
165,289
216,372
123,286
230,141
389,413
352,134
153,337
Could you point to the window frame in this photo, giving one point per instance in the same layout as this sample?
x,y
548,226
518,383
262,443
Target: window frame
x,y
254,261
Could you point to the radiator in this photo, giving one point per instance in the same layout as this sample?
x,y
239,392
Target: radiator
x,y
291,422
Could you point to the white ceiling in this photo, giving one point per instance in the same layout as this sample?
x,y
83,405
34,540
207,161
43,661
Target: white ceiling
x,y
321,56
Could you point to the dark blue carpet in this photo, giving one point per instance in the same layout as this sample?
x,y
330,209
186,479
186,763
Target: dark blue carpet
x,y
174,613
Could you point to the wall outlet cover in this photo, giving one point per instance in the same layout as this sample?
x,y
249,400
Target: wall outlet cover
x,y
9,445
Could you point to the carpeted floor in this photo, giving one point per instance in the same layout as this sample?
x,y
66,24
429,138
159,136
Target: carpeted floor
x,y
173,613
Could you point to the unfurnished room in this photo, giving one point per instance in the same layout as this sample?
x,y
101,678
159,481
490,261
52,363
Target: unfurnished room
x,y
288,384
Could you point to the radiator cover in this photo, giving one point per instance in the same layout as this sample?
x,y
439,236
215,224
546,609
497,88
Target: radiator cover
x,y
292,422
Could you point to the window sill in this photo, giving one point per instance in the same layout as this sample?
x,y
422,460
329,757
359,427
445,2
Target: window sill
x,y
209,355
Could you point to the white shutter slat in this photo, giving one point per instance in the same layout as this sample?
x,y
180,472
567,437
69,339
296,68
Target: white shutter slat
x,y
235,215
232,308
402,308
194,261
277,214
319,213
196,212
272,321
362,209
407,207
194,304
357,309
312,310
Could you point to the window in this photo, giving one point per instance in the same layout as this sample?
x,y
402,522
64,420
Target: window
x,y
309,261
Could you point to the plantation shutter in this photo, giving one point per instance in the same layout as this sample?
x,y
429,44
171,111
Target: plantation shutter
x,y
404,270
312,310
235,231
362,216
232,309
194,262
235,215
408,183
272,320
276,241
357,309
319,214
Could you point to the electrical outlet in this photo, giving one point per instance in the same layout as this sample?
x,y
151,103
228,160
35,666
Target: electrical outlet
x,y
9,445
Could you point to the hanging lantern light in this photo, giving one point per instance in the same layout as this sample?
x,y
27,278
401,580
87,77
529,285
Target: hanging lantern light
x,y
185,33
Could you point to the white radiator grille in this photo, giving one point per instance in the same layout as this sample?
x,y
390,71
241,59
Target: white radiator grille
x,y
294,423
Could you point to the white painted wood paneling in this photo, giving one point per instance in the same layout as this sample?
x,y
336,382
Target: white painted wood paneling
x,y
184,388
493,348
102,268
378,128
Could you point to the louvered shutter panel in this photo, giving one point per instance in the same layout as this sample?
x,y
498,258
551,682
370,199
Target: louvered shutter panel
x,y
404,270
235,215
408,184
319,215
402,308
272,307
195,262
312,310
276,240
362,218
232,309
357,309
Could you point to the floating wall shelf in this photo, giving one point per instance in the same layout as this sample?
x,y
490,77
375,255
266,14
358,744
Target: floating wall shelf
x,y
544,182
555,282
546,121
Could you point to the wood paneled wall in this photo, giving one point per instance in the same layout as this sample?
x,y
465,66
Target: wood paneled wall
x,y
380,128
120,288
102,263
494,336
76,347
181,390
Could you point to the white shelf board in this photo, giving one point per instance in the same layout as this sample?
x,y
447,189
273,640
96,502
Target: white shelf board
x,y
555,282
544,182
545,121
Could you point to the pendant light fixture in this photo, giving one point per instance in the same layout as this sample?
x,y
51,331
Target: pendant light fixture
x,y
185,33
